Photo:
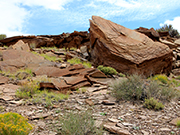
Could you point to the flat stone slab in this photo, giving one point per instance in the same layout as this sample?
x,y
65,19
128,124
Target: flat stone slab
x,y
3,79
51,71
6,98
74,80
60,83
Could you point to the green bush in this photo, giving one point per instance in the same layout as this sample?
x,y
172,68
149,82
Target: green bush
x,y
14,124
81,123
2,36
153,104
107,70
128,89
27,90
172,32
122,75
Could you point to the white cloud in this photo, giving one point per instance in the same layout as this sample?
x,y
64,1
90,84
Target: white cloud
x,y
123,3
48,4
14,17
132,10
175,23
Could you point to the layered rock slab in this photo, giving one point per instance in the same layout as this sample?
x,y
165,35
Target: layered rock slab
x,y
126,50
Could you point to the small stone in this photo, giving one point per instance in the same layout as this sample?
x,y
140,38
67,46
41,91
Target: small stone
x,y
41,125
106,102
101,92
178,102
144,132
127,124
17,102
7,98
165,129
113,120
78,108
52,133
96,85
142,117
120,125
89,102
63,66
98,123
39,116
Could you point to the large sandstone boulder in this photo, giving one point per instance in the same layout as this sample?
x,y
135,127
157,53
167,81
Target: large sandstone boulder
x,y
126,50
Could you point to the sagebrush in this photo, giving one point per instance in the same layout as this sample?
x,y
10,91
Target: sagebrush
x,y
80,123
137,88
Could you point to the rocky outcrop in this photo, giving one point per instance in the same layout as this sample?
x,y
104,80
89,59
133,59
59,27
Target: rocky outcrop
x,y
151,33
65,40
62,77
128,51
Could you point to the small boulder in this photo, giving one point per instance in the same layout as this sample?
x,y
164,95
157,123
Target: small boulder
x,y
20,45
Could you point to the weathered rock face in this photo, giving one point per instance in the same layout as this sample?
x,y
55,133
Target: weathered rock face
x,y
20,45
128,51
67,40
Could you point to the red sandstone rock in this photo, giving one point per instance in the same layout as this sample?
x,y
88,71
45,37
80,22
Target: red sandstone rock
x,y
20,45
128,51
151,33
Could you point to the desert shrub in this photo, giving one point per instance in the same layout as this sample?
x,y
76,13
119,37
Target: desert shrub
x,y
161,78
2,109
14,124
175,82
153,104
178,123
48,98
24,73
172,32
78,61
2,36
134,87
81,123
107,70
128,89
27,91
162,92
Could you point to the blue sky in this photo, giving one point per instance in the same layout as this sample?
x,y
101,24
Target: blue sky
x,y
49,17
